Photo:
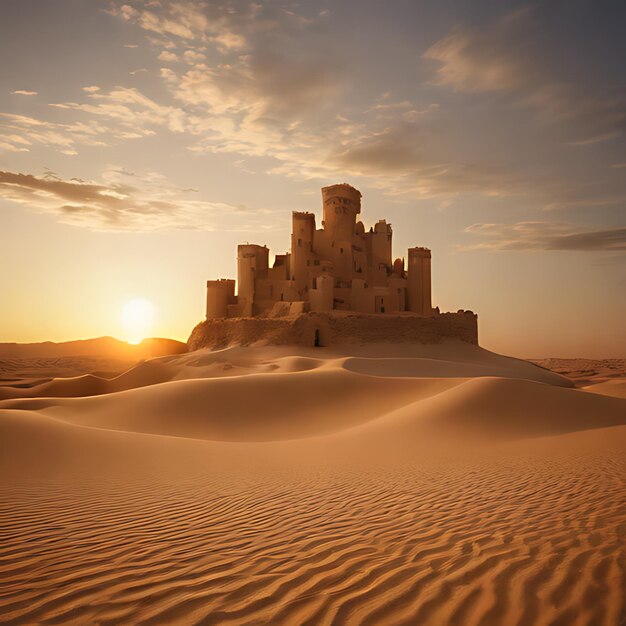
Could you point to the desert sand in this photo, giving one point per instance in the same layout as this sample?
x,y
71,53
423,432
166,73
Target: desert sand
x,y
379,484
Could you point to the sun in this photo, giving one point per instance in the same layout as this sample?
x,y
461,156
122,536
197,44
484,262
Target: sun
x,y
137,316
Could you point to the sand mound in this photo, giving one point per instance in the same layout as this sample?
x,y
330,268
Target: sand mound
x,y
263,407
499,408
615,388
322,401
447,360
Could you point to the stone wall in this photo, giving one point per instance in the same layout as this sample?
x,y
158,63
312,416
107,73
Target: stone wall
x,y
335,329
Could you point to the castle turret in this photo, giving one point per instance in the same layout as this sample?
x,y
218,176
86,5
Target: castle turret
x,y
418,275
342,203
252,263
302,233
378,242
219,294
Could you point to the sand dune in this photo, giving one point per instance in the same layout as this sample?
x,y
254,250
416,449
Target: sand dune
x,y
586,371
100,347
419,485
264,407
448,360
615,388
501,408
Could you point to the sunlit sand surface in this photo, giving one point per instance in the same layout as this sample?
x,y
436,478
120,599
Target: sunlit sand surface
x,y
364,485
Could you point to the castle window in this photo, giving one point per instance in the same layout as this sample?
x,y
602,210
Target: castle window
x,y
316,262
299,243
341,250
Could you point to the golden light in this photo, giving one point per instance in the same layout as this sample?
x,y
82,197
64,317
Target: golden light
x,y
137,317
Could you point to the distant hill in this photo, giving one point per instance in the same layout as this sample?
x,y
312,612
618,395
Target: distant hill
x,y
101,346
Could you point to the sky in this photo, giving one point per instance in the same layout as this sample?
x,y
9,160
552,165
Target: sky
x,y
141,141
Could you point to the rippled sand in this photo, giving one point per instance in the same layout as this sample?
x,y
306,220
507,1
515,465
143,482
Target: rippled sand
x,y
269,486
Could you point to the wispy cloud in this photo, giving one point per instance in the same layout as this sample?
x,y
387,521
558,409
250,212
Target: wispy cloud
x,y
105,118
134,112
501,57
123,201
529,236
22,132
24,92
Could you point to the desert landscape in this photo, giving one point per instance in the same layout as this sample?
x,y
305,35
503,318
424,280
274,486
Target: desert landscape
x,y
312,313
366,484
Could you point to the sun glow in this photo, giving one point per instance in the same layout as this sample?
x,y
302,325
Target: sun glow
x,y
137,316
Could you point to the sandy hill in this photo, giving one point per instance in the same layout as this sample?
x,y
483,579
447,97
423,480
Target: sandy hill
x,y
100,347
369,484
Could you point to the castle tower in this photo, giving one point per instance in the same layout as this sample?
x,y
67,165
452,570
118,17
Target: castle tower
x,y
342,203
418,274
252,262
302,233
378,243
219,294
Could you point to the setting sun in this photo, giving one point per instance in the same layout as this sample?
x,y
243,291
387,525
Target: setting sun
x,y
137,316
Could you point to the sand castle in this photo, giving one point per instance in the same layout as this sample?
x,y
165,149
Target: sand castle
x,y
340,266
330,272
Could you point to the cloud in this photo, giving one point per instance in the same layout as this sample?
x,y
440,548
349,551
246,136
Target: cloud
x,y
488,58
120,114
127,107
21,132
123,201
504,57
264,81
262,66
24,92
529,236
168,57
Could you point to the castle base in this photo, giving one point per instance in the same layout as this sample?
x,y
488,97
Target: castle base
x,y
331,329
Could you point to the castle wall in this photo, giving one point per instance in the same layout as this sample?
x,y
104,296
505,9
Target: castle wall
x,y
397,294
362,297
335,329
321,297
